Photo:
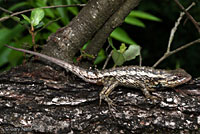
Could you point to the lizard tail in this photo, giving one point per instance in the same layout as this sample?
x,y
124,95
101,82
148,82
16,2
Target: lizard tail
x,y
86,75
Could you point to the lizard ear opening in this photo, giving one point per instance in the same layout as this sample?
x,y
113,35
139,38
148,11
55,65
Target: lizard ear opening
x,y
182,74
179,77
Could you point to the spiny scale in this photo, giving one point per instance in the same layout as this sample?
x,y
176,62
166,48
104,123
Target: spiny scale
x,y
145,78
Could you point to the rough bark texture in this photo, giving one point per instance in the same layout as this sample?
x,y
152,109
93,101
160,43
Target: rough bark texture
x,y
48,101
40,99
65,43
114,21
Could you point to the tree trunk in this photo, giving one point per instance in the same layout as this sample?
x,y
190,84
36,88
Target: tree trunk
x,y
51,101
72,37
39,98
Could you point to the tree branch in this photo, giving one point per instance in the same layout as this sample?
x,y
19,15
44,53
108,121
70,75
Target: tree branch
x,y
90,19
167,54
173,30
43,100
114,21
28,10
188,15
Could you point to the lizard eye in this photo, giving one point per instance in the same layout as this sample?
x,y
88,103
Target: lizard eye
x,y
159,85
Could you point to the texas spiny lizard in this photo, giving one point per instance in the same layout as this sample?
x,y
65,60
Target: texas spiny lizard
x,y
145,78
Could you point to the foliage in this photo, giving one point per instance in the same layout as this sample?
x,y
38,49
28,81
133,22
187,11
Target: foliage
x,y
14,31
41,17
133,19
36,16
120,34
123,54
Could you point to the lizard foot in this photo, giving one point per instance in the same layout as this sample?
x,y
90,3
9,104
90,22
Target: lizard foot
x,y
153,98
111,104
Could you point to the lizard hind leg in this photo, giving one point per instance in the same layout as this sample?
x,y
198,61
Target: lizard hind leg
x,y
109,85
147,94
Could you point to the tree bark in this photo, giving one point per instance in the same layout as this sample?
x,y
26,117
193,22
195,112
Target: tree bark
x,y
38,102
37,98
67,41
114,21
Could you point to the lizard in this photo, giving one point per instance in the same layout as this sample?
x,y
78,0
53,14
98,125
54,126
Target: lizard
x,y
147,79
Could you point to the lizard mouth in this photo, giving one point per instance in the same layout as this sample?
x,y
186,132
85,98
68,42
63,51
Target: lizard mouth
x,y
179,81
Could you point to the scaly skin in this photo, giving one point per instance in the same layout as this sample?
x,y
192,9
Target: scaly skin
x,y
145,78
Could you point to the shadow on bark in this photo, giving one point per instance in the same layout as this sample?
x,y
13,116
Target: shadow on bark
x,y
49,101
41,98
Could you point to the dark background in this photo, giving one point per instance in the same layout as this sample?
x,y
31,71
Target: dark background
x,y
153,38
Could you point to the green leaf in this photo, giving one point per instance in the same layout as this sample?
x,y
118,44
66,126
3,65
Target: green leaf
x,y
6,38
18,5
85,45
122,48
101,57
41,3
36,16
40,25
53,27
118,58
8,34
4,56
121,35
14,57
9,56
134,21
16,18
111,43
49,12
73,10
26,18
62,12
132,52
64,18
144,15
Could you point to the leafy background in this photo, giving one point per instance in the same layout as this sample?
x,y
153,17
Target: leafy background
x,y
149,27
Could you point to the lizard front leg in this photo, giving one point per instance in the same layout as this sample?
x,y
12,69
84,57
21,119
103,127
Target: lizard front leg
x,y
109,85
145,89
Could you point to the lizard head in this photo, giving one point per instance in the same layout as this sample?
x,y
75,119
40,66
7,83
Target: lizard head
x,y
173,78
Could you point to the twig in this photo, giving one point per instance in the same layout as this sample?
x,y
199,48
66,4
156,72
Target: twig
x,y
5,10
108,58
20,22
168,53
140,60
175,51
28,10
188,15
184,46
176,25
49,23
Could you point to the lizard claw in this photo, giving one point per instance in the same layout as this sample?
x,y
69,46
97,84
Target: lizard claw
x,y
108,100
